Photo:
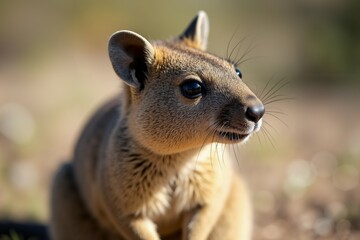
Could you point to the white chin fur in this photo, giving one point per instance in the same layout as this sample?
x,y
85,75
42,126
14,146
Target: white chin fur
x,y
245,139
257,126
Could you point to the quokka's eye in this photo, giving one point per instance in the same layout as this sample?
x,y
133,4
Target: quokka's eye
x,y
238,72
192,89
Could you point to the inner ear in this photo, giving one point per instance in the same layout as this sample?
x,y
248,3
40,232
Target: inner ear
x,y
196,34
131,55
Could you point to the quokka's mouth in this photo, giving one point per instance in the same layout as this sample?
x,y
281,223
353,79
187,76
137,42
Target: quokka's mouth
x,y
232,136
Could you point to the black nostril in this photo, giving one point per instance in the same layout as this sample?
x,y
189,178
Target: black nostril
x,y
254,113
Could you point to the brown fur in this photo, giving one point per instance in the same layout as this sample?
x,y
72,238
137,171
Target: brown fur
x,y
144,166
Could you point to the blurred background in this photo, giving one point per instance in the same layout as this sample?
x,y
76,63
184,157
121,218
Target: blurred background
x,y
303,169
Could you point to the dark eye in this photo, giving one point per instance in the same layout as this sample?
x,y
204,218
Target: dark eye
x,y
238,72
192,89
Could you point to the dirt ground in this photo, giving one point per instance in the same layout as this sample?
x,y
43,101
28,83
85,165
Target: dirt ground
x,y
309,187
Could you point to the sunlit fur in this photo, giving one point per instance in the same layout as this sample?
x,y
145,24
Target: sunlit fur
x,y
147,165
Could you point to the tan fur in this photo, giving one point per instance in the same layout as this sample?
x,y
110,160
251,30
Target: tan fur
x,y
145,166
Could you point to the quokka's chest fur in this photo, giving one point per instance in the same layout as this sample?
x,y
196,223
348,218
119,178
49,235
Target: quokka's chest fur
x,y
163,186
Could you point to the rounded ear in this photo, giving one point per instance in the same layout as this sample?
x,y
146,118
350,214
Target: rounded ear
x,y
196,34
130,56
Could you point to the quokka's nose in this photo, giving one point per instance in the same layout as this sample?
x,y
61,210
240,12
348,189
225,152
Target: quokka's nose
x,y
255,112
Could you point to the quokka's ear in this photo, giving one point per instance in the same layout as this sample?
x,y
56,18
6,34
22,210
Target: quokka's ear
x,y
131,55
196,34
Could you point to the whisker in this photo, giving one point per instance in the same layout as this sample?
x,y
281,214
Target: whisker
x,y
212,143
271,126
231,39
258,137
211,150
247,51
279,100
267,84
273,115
223,154
263,134
221,128
239,62
212,129
278,89
217,154
273,96
237,45
236,157
276,112
215,127
269,137
270,134
274,87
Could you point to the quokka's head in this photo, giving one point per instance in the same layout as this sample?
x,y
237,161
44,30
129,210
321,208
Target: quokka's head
x,y
180,97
